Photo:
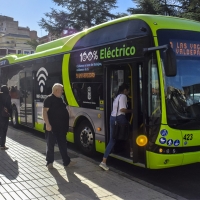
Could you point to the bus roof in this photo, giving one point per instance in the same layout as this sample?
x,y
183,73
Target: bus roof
x,y
66,44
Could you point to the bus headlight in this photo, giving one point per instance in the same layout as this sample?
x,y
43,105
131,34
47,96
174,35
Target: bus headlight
x,y
141,140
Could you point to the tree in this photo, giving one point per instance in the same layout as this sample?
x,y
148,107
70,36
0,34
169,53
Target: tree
x,y
180,8
142,7
33,43
190,9
78,14
156,7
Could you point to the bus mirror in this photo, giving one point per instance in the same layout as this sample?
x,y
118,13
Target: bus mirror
x,y
170,62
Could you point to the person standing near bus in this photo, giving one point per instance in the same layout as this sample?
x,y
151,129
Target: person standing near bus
x,y
120,112
56,118
5,112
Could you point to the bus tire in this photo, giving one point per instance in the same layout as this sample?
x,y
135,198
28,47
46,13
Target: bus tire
x,y
14,119
85,138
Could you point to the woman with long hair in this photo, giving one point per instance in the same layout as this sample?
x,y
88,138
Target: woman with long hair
x,y
119,111
5,107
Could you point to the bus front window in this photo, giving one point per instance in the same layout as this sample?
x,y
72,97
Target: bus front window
x,y
182,92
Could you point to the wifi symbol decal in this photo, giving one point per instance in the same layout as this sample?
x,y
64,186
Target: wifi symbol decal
x,y
42,77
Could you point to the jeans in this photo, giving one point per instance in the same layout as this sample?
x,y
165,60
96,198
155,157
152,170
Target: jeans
x,y
120,118
51,139
3,130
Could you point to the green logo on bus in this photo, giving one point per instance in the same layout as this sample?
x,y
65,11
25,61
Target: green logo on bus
x,y
117,52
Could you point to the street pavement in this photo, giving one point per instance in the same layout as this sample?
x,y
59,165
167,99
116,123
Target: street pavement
x,y
23,175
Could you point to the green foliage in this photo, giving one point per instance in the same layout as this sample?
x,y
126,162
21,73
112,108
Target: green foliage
x,y
156,7
78,14
190,9
33,43
180,8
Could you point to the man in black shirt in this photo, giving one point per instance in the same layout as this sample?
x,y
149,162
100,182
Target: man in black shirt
x,y
56,119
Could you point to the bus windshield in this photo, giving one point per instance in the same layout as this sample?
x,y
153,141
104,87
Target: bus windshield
x,y
183,90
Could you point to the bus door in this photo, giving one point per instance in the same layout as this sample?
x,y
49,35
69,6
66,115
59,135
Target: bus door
x,y
26,98
129,73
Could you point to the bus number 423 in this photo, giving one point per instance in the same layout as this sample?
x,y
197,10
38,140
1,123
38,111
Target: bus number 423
x,y
188,137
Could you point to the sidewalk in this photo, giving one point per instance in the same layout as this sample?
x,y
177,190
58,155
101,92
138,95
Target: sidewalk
x,y
23,175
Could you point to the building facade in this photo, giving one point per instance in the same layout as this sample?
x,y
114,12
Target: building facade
x,y
13,38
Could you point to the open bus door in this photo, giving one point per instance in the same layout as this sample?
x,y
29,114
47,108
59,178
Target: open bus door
x,y
130,73
26,98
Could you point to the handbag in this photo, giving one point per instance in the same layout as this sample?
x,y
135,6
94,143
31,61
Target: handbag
x,y
121,131
4,112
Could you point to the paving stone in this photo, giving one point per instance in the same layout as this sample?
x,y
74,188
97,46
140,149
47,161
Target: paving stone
x,y
20,186
13,187
1,196
7,187
14,195
37,192
28,194
23,175
7,196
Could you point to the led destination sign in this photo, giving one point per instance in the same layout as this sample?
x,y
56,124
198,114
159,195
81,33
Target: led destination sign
x,y
85,75
186,47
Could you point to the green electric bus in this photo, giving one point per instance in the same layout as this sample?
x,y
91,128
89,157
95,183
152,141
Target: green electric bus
x,y
158,56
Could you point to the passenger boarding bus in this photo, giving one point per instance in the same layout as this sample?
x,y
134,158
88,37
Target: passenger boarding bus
x,y
158,56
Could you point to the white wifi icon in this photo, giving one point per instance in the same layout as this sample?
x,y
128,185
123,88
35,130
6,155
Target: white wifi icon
x,y
42,77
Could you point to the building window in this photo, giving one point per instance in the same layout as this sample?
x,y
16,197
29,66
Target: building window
x,y
11,51
3,52
26,52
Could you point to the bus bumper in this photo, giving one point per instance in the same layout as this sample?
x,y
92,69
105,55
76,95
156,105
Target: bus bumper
x,y
160,161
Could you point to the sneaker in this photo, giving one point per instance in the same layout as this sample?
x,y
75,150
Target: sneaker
x,y
50,166
4,148
71,164
131,154
104,166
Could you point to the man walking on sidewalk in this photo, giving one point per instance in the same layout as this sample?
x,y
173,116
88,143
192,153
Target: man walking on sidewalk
x,y
56,119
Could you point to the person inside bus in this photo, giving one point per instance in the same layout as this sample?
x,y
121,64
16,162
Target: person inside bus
x,y
56,118
12,92
17,92
5,107
189,100
120,112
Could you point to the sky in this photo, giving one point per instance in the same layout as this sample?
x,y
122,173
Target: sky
x,y
29,12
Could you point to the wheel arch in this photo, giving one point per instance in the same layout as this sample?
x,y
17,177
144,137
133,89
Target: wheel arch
x,y
81,117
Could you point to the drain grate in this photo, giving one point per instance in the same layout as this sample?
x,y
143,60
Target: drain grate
x,y
57,155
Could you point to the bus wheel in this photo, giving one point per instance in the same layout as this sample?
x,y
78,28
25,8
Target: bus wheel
x,y
14,118
85,138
